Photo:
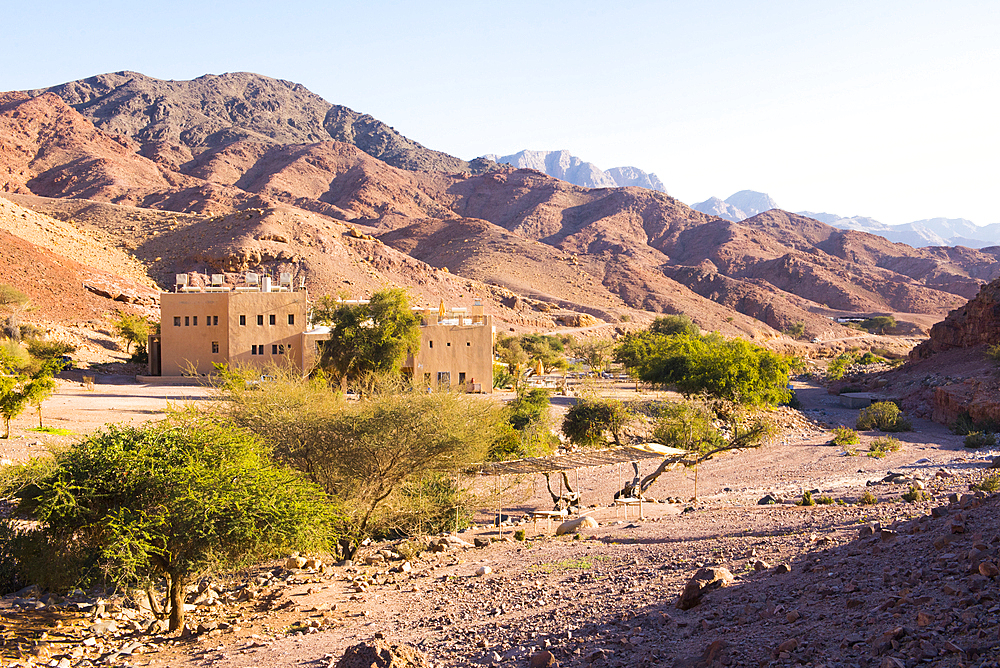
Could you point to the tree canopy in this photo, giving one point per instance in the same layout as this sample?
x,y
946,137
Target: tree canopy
x,y
173,499
367,338
732,369
364,453
133,329
588,420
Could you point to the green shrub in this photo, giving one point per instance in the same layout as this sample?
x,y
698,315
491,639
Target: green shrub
x,y
520,535
825,500
46,350
870,358
835,369
882,446
915,494
807,499
964,425
980,439
993,352
883,416
844,436
868,499
796,330
989,484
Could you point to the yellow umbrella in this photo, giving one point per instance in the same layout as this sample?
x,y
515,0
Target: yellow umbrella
x,y
441,310
539,369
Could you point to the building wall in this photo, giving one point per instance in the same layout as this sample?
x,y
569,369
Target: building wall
x,y
464,352
188,344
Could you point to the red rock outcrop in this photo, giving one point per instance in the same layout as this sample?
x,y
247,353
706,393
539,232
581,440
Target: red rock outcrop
x,y
976,323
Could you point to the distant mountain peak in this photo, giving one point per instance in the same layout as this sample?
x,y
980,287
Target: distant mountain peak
x,y
739,206
563,165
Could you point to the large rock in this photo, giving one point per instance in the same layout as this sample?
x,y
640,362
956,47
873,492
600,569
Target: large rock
x,y
976,323
580,523
703,581
379,653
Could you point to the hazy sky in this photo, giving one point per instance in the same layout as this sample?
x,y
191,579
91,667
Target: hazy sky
x,y
883,109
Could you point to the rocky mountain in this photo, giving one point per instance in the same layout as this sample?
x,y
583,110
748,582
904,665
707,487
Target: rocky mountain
x,y
563,165
739,206
930,232
180,177
174,120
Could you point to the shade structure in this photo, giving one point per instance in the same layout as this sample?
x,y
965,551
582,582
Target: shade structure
x,y
578,460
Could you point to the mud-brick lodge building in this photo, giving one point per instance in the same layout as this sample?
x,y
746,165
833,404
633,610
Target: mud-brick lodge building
x,y
264,324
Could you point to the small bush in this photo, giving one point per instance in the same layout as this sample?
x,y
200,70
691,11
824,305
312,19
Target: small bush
x,y
844,436
980,439
964,425
807,500
46,350
870,358
990,484
883,416
850,452
835,369
825,500
915,494
882,446
796,331
993,353
520,535
868,499
29,331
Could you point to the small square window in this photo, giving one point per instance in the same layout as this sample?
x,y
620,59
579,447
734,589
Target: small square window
x,y
274,349
215,346
215,320
243,320
291,318
447,344
270,319
260,321
281,348
187,321
177,321
195,323
468,343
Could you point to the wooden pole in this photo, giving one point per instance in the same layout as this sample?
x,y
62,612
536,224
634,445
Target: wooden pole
x,y
499,510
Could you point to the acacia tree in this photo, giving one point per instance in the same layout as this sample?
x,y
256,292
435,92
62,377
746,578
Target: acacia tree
x,y
367,338
595,352
15,301
705,429
133,329
363,453
588,420
174,500
12,398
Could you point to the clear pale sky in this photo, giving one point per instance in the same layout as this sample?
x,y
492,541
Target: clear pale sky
x,y
882,109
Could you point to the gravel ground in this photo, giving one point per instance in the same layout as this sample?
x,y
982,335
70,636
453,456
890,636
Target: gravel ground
x,y
808,588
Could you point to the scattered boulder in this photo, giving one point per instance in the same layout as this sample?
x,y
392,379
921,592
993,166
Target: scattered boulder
x,y
578,524
543,659
702,582
378,653
767,501
295,562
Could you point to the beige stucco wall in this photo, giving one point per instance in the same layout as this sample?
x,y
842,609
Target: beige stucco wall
x,y
457,350
189,345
